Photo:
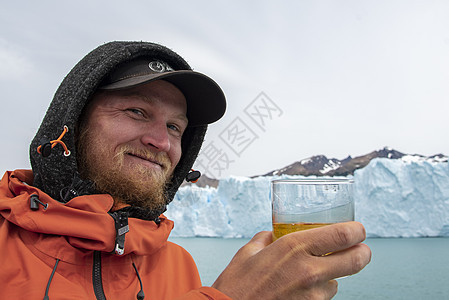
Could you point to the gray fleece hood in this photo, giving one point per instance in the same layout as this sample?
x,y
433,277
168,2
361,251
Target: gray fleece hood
x,y
55,172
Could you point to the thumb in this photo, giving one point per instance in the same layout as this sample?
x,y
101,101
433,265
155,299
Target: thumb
x,y
257,243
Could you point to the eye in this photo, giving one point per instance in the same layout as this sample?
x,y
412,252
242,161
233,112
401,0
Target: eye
x,y
173,127
135,111
176,129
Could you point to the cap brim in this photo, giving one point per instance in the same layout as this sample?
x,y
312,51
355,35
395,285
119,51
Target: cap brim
x,y
206,102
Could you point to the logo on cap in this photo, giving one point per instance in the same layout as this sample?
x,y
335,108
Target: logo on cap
x,y
159,66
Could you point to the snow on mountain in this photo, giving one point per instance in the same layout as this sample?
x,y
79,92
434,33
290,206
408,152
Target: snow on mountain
x,y
320,165
330,166
406,197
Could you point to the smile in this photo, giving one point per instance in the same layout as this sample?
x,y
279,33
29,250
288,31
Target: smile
x,y
147,160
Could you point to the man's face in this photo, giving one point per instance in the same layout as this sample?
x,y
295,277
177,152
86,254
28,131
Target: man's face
x,y
130,141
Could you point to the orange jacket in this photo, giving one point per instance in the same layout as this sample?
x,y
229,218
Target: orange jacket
x,y
76,240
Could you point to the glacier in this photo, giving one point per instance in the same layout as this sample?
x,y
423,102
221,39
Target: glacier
x,y
393,198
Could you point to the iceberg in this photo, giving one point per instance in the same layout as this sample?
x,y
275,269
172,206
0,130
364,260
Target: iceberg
x,y
393,198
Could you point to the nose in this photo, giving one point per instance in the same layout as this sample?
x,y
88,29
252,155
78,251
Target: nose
x,y
156,136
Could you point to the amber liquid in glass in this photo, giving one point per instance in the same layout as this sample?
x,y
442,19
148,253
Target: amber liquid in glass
x,y
281,229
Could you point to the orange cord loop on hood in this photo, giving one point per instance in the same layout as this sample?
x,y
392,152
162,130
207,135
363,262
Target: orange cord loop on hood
x,y
45,149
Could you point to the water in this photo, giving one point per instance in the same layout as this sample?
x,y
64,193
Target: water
x,y
399,269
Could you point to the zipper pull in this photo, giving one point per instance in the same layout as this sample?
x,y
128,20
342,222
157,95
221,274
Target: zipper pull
x,y
121,228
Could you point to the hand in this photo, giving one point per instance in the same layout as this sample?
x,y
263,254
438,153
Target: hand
x,y
295,266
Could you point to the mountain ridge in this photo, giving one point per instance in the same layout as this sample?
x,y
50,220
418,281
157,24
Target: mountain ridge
x,y
320,165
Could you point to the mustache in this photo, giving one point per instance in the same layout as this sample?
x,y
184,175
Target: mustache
x,y
160,158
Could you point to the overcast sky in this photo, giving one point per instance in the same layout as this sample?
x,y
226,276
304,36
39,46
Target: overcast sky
x,y
302,78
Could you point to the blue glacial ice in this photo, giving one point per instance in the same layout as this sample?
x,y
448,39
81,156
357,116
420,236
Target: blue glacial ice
x,y
393,198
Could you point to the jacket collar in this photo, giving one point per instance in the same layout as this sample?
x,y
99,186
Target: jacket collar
x,y
81,224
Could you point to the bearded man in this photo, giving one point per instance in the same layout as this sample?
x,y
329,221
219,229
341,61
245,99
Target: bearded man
x,y
118,139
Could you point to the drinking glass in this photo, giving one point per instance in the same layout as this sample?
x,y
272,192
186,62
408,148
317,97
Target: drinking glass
x,y
302,204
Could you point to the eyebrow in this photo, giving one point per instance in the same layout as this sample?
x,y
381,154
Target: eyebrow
x,y
183,117
132,93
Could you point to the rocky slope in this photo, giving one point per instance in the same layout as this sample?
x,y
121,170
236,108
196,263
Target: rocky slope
x,y
320,165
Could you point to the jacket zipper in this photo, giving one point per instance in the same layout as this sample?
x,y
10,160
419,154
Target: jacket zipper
x,y
96,276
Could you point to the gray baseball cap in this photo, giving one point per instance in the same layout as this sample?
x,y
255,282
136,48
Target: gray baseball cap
x,y
206,102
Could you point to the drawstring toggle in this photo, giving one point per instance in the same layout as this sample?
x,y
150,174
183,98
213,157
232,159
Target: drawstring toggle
x,y
193,176
34,202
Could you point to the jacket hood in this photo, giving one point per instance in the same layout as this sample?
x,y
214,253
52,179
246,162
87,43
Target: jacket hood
x,y
58,175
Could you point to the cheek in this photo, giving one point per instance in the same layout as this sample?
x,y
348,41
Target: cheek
x,y
113,134
175,153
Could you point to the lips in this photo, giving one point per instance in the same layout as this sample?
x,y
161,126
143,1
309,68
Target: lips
x,y
148,159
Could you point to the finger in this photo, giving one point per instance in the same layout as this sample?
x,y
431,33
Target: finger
x,y
347,262
330,289
331,238
325,290
257,243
